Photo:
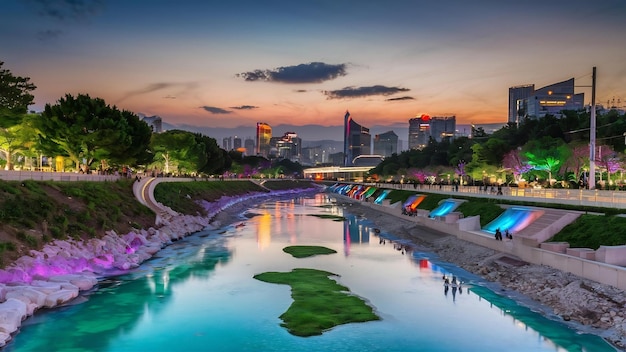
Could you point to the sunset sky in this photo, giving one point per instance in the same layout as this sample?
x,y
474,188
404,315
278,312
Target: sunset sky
x,y
233,63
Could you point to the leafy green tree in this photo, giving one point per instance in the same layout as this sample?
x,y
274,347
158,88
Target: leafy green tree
x,y
185,152
13,140
216,159
178,151
15,97
87,129
546,154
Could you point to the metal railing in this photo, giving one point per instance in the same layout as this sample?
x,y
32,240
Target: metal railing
x,y
598,198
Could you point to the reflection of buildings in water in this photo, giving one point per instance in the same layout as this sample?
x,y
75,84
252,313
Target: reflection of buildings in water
x,y
263,235
354,233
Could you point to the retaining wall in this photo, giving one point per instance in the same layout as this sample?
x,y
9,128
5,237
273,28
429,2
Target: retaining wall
x,y
468,229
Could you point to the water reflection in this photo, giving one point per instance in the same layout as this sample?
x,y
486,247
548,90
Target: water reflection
x,y
200,293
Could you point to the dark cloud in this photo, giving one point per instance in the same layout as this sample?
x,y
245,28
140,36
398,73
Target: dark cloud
x,y
182,88
400,98
49,34
215,110
314,72
68,10
357,92
244,107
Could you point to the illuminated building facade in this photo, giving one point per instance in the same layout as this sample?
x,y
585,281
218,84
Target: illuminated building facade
x,y
518,95
263,136
289,146
386,144
422,128
356,139
549,100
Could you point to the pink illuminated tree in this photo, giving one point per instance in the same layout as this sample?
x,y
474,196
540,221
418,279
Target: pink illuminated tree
x,y
515,162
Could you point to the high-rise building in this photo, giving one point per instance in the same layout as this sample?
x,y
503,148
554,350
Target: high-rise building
x,y
537,103
249,145
424,127
227,143
419,131
386,144
289,146
517,95
442,127
356,138
236,142
263,136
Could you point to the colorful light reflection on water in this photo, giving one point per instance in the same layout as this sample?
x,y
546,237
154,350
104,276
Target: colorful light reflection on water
x,y
199,295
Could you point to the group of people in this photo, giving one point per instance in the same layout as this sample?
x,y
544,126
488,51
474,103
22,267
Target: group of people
x,y
507,234
455,284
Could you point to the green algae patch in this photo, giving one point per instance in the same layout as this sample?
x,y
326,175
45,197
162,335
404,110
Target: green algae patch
x,y
330,216
319,303
307,251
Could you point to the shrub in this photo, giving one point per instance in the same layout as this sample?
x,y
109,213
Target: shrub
x,y
56,232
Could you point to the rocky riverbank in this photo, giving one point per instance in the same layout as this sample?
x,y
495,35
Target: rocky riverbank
x,y
57,273
583,304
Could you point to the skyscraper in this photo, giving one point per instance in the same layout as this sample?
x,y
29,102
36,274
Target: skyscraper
x,y
386,144
263,136
236,143
356,138
227,143
419,131
249,145
424,127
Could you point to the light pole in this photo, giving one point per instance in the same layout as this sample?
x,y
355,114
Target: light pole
x,y
592,134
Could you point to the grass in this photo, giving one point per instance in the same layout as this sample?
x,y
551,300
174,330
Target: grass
x,y
319,303
180,196
307,251
33,212
592,231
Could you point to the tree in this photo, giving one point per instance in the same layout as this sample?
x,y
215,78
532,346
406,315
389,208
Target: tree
x,y
87,129
15,97
579,156
513,160
179,151
13,140
546,154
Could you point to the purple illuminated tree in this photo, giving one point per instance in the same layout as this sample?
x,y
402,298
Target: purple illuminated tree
x,y
515,162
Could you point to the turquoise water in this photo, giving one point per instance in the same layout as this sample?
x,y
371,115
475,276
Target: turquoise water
x,y
199,295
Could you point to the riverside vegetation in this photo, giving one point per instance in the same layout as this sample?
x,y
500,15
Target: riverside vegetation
x,y
33,213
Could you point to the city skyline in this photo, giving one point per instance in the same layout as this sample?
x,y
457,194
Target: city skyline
x,y
218,64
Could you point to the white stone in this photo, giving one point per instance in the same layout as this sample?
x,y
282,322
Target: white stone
x,y
12,312
27,295
60,297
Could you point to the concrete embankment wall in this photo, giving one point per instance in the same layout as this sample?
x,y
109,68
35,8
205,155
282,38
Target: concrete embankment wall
x,y
468,229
